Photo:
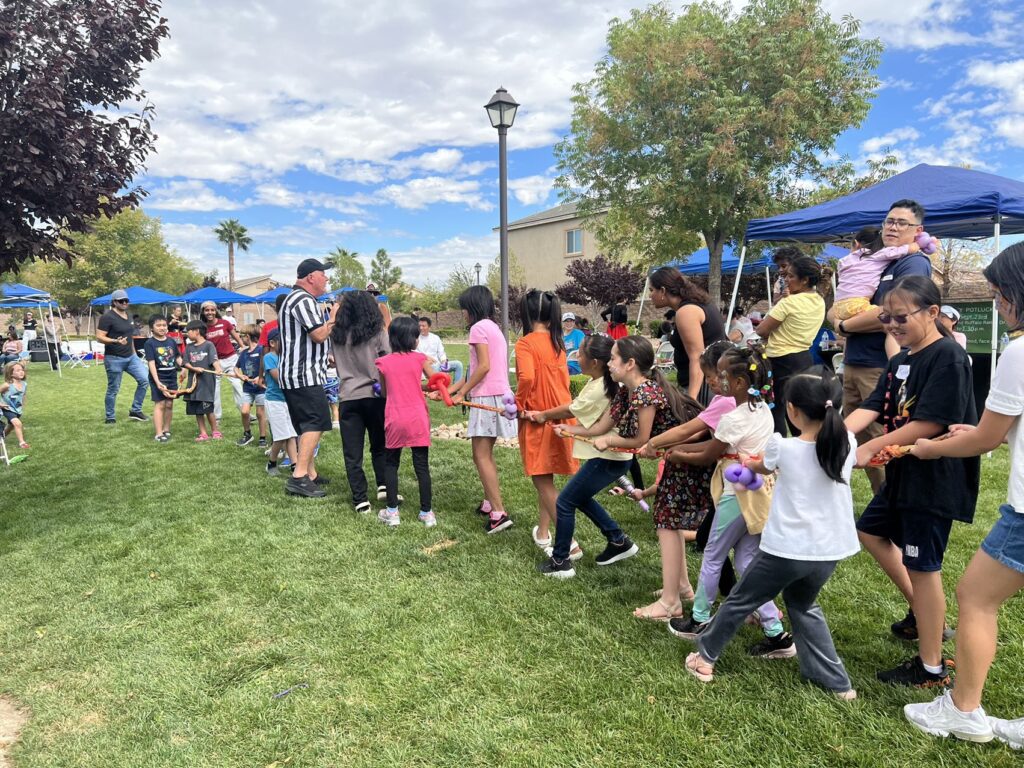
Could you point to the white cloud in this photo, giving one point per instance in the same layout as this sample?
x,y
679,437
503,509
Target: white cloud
x,y
926,24
190,195
531,190
435,262
1006,77
890,139
419,193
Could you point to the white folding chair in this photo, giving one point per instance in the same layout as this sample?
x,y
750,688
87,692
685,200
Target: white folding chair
x,y
75,359
664,357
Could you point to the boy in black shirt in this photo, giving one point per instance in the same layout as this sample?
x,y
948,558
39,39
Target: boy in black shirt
x,y
163,361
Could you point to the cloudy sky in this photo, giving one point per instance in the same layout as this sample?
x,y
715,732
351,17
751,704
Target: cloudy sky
x,y
324,123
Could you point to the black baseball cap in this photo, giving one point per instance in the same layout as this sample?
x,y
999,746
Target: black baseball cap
x,y
308,267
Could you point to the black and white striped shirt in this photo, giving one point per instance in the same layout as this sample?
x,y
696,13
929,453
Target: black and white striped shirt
x,y
303,361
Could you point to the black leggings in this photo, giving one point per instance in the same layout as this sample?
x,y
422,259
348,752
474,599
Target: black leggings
x,y
636,474
357,417
784,368
421,465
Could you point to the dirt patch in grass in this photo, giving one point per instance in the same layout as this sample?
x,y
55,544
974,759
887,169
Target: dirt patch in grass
x,y
12,720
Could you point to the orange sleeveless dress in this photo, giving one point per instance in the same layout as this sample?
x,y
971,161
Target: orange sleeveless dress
x,y
542,383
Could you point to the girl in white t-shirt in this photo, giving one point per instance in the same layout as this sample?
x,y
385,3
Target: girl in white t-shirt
x,y
996,572
809,530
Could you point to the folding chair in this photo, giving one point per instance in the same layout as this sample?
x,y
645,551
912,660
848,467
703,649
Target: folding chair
x,y
75,359
664,357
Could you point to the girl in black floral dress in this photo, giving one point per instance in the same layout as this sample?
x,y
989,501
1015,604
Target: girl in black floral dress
x,y
647,405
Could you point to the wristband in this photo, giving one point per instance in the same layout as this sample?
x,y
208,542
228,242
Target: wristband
x,y
840,328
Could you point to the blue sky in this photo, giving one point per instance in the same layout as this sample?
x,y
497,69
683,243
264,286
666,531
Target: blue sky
x,y
319,123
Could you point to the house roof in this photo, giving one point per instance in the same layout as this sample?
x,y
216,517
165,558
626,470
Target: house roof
x,y
558,213
246,282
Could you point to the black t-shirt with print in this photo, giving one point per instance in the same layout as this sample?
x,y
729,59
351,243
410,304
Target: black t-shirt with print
x,y
932,385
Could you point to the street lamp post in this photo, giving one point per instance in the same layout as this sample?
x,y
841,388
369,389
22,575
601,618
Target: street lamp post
x,y
477,268
501,110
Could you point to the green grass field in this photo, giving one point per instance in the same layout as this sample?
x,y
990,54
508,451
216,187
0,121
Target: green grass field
x,y
155,598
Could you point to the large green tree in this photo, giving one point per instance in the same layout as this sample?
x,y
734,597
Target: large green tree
x,y
66,154
347,271
698,121
233,234
126,249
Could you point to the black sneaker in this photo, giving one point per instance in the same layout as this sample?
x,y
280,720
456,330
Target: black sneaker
x,y
110,421
262,443
906,629
778,647
914,674
137,416
615,552
321,480
244,440
303,486
687,628
558,569
495,525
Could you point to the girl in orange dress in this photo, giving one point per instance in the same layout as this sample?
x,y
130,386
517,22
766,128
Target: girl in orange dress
x,y
543,383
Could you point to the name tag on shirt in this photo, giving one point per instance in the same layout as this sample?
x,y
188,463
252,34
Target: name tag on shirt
x,y
886,277
903,372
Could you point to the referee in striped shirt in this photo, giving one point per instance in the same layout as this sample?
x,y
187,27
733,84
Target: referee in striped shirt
x,y
303,368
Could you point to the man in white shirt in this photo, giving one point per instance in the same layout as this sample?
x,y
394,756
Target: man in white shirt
x,y
430,345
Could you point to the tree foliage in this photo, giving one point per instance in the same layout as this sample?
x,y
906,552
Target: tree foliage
x,y
128,249
699,121
383,273
347,271
67,152
954,262
233,234
601,282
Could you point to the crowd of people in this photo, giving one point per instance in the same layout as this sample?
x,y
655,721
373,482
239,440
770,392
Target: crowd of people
x,y
756,445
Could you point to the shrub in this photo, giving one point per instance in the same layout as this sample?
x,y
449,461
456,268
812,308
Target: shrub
x,y
577,383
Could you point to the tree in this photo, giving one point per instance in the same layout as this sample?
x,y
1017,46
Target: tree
x,y
600,282
66,156
700,121
347,271
954,261
516,274
383,274
128,249
232,234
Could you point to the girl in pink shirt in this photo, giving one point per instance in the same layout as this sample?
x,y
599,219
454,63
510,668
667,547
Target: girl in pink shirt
x,y
487,383
406,421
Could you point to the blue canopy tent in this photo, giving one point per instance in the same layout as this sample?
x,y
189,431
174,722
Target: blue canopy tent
x,y
332,295
137,295
959,203
19,296
269,297
216,295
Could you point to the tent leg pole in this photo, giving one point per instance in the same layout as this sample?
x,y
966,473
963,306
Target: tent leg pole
x,y
735,287
647,285
768,283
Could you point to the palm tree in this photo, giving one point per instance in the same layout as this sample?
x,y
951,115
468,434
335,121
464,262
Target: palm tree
x,y
231,233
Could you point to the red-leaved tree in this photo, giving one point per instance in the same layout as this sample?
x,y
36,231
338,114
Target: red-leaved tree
x,y
600,282
74,124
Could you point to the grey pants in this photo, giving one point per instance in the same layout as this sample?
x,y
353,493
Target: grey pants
x,y
800,581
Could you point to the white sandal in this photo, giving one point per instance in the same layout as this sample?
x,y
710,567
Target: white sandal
x,y
541,543
697,666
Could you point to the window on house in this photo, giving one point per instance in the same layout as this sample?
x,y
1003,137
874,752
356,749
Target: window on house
x,y
249,318
573,242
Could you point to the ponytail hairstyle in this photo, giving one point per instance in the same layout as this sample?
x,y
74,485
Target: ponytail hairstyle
x,y
751,365
543,307
673,281
713,353
639,350
870,239
599,347
1006,273
806,268
922,293
818,395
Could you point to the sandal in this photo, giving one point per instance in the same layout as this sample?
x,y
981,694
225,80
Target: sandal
x,y
686,597
202,438
217,435
699,668
670,611
541,543
24,445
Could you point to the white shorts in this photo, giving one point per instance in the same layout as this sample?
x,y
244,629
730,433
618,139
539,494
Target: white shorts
x,y
488,423
259,400
281,427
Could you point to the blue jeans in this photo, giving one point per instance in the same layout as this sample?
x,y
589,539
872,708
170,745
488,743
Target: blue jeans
x,y
455,370
594,476
116,367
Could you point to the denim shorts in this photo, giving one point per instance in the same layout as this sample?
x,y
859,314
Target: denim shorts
x,y
1005,542
920,535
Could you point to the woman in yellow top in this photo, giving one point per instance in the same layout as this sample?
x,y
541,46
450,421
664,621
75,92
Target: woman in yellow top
x,y
789,329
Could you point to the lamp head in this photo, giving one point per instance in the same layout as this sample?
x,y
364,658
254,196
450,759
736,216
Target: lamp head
x,y
501,109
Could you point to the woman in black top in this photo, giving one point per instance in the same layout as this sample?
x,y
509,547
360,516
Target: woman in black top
x,y
697,323
616,316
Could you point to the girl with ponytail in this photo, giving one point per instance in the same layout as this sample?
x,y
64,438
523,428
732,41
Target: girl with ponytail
x,y
809,530
542,384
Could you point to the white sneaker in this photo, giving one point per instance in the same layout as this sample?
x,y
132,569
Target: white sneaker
x,y
941,718
1009,731
428,519
388,518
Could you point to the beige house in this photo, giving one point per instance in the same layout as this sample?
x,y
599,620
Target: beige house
x,y
246,314
544,243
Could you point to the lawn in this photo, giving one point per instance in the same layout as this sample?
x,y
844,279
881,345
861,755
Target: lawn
x,y
159,601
